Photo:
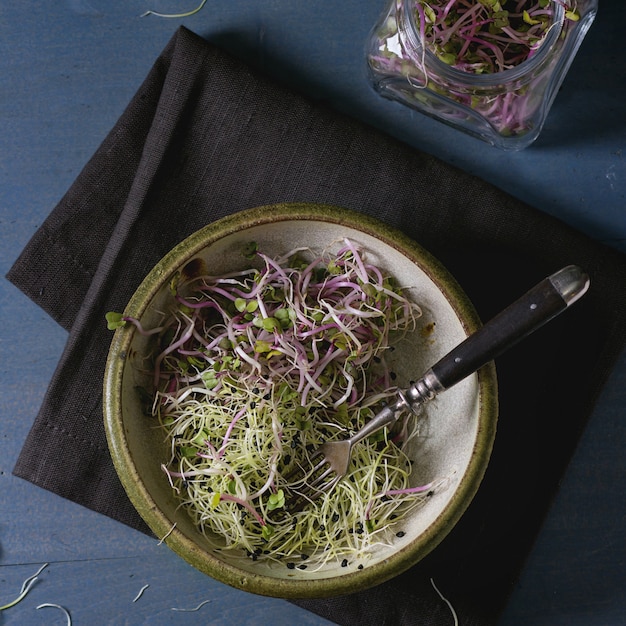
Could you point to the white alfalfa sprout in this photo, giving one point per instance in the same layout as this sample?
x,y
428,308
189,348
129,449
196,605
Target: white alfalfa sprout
x,y
26,587
140,593
175,15
196,608
454,615
68,617
167,534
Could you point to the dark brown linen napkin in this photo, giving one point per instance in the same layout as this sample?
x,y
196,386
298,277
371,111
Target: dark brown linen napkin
x,y
205,136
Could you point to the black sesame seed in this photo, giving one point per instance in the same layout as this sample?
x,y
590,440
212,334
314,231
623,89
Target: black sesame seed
x,y
344,563
291,566
303,566
253,405
335,517
304,557
400,534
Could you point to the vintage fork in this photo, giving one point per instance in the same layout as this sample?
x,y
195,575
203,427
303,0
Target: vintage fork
x,y
539,305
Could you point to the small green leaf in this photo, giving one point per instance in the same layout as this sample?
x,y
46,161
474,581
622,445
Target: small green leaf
x,y
209,378
114,320
262,346
201,438
303,424
447,57
195,362
276,500
528,19
215,500
333,268
270,324
250,250
225,344
429,13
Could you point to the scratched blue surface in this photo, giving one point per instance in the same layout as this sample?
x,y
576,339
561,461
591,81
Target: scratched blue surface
x,y
67,70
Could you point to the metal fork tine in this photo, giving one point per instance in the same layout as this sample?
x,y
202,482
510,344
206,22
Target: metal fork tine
x,y
318,479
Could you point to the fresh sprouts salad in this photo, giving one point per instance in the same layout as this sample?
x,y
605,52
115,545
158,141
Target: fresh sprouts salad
x,y
257,368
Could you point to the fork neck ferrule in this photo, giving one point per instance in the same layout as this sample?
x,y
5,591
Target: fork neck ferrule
x,y
421,391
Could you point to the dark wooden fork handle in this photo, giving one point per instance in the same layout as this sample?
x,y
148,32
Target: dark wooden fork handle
x,y
538,306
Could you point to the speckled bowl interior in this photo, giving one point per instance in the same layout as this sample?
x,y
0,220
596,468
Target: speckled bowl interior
x,y
458,427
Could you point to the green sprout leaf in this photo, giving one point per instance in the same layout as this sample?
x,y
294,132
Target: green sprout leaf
x,y
209,378
261,346
215,500
276,500
114,320
529,20
250,250
267,531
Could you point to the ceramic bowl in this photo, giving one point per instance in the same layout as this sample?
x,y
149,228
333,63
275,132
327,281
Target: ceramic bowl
x,y
459,425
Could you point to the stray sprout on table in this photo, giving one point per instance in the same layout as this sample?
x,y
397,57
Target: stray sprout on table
x,y
175,15
255,369
140,593
65,612
194,609
26,587
452,611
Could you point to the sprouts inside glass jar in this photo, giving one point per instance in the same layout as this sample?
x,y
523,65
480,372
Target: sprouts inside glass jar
x,y
489,67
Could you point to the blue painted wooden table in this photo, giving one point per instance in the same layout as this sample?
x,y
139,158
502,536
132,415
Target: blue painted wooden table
x,y
67,70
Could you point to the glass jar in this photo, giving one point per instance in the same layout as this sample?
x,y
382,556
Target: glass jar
x,y
506,108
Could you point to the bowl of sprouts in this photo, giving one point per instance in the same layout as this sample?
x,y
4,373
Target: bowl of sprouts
x,y
256,340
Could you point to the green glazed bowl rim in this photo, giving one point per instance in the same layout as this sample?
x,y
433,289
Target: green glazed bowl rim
x,y
183,545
